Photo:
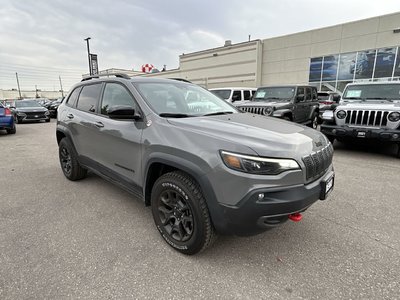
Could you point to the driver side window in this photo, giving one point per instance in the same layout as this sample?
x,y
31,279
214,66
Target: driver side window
x,y
300,94
116,94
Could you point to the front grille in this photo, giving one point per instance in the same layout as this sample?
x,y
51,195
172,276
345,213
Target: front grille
x,y
34,115
318,162
374,118
253,109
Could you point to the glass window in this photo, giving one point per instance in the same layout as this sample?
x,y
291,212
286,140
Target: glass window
x,y
246,95
27,103
364,65
308,94
347,60
373,92
397,64
74,96
89,97
384,62
115,94
169,98
300,92
273,94
223,94
237,96
314,93
315,69
329,68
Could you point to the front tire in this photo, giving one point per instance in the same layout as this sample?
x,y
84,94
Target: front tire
x,y
180,213
69,161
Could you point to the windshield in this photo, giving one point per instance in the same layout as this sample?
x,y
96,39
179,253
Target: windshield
x,y
223,94
27,103
271,94
178,99
373,92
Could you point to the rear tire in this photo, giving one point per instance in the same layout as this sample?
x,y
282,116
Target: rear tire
x,y
69,161
12,130
180,213
314,121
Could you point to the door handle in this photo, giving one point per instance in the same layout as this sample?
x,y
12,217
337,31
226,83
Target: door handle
x,y
98,124
70,116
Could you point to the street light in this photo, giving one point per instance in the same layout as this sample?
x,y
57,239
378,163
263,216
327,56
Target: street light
x,y
88,52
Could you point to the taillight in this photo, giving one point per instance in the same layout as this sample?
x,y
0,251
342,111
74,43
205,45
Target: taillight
x,y
7,111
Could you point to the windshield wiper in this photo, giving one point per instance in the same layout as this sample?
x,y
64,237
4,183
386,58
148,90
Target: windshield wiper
x,y
174,115
219,113
379,98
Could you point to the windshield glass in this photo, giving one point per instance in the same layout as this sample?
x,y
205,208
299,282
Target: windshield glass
x,y
223,94
180,98
373,92
271,94
27,103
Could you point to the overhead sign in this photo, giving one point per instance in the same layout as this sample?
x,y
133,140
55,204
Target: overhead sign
x,y
93,64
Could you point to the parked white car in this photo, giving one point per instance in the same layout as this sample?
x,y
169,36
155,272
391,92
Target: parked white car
x,y
232,94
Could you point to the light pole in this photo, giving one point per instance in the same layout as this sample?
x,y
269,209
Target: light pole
x,y
88,53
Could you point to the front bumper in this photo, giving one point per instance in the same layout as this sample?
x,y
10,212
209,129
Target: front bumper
x,y
392,135
264,208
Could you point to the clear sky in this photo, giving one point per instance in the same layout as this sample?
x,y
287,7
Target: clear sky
x,y
42,39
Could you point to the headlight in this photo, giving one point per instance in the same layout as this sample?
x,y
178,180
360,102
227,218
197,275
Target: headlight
x,y
258,165
268,111
21,114
394,116
341,114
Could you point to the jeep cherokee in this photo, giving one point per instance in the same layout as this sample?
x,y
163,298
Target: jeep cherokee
x,y
203,167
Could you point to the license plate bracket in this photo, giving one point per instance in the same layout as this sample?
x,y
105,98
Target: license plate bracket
x,y
327,187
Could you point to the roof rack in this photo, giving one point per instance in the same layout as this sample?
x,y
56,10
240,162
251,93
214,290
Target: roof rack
x,y
119,75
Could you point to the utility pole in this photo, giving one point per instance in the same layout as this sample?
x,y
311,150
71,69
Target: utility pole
x,y
62,92
19,90
88,53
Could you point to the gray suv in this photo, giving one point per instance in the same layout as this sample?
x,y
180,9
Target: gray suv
x,y
203,166
297,103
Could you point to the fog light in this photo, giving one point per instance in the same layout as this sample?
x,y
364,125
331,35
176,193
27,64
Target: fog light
x,y
334,131
395,136
260,196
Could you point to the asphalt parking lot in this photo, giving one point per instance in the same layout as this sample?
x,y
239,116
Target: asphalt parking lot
x,y
90,239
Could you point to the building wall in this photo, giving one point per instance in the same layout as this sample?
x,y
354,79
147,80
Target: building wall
x,y
234,65
286,59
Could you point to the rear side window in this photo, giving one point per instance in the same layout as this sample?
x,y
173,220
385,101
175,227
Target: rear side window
x,y
308,94
237,95
116,94
73,97
89,97
246,95
314,94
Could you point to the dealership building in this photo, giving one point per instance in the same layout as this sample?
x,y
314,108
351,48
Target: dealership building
x,y
328,58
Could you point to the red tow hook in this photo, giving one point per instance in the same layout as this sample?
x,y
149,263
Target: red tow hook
x,y
296,217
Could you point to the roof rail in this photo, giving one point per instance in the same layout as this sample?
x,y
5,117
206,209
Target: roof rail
x,y
119,75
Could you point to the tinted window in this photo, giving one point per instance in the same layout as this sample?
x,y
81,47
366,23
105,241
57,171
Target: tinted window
x,y
89,97
300,92
237,95
223,94
246,95
74,96
308,94
314,94
115,94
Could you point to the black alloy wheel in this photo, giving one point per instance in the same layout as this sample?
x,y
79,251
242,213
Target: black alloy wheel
x,y
69,161
180,213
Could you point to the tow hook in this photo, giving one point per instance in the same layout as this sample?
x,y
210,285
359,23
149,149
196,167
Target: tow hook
x,y
296,217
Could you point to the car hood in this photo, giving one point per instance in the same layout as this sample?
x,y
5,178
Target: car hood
x,y
370,105
266,136
261,103
31,109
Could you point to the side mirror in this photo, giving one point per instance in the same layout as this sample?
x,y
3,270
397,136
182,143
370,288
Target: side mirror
x,y
336,98
300,97
122,112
